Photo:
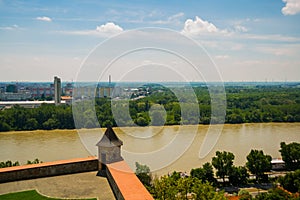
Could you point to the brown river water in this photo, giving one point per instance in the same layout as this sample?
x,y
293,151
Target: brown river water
x,y
163,149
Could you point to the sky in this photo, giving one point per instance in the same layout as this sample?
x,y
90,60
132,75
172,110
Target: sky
x,y
247,40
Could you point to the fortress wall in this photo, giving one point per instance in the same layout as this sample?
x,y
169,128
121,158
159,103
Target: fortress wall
x,y
46,169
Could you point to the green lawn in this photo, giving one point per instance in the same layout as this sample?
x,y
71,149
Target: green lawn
x,y
27,195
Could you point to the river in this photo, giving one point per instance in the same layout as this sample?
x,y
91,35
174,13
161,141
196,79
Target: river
x,y
164,149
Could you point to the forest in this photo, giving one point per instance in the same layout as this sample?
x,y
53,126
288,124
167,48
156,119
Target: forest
x,y
242,104
222,175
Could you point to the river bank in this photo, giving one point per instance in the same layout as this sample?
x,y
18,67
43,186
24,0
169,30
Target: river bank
x,y
126,127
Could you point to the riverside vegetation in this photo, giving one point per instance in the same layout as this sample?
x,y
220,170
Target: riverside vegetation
x,y
9,163
244,105
202,184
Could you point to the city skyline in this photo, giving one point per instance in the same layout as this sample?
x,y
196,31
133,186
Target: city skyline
x,y
247,40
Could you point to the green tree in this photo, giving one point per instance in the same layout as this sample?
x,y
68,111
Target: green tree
x,y
238,176
165,187
290,154
204,173
291,181
4,126
205,191
275,194
35,161
176,187
223,163
50,124
141,121
258,164
157,115
184,186
9,163
244,195
143,173
31,124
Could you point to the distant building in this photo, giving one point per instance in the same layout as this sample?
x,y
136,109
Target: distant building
x,y
12,93
67,99
10,96
57,90
25,104
277,164
11,88
68,89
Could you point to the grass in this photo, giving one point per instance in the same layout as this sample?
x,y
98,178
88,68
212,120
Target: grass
x,y
28,195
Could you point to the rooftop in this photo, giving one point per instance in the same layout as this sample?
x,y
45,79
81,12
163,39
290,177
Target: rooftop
x,y
128,183
109,139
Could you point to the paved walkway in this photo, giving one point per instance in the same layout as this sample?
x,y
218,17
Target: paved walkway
x,y
81,185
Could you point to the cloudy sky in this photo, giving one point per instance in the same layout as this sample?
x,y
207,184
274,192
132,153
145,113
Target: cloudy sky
x,y
248,40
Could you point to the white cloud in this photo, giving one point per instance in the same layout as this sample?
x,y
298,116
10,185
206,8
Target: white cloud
x,y
291,7
173,19
8,28
198,26
46,19
104,30
240,28
109,28
201,27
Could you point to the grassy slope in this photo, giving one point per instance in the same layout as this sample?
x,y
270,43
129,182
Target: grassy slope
x,y
27,195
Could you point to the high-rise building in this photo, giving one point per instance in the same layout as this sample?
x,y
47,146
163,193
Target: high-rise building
x,y
57,90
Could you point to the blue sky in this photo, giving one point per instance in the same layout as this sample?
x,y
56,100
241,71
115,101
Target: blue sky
x,y
249,40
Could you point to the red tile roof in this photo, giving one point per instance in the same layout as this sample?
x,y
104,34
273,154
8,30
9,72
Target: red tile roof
x,y
128,183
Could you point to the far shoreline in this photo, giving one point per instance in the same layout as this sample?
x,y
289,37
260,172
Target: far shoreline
x,y
103,128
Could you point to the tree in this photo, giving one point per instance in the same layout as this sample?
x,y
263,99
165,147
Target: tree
x,y
31,124
205,191
165,188
291,181
258,163
157,115
143,173
9,163
184,186
223,162
50,124
290,155
204,173
141,121
276,194
244,195
35,161
238,176
4,126
176,187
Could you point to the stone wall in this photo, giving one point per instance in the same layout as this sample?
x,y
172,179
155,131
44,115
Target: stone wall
x,y
113,185
48,169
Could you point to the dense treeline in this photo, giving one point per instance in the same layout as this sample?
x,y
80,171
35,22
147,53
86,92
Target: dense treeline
x,y
162,106
45,117
244,105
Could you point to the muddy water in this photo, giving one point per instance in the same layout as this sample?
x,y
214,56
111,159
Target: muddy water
x,y
164,149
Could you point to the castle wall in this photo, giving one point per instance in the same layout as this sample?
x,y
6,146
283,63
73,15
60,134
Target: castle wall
x,y
48,169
